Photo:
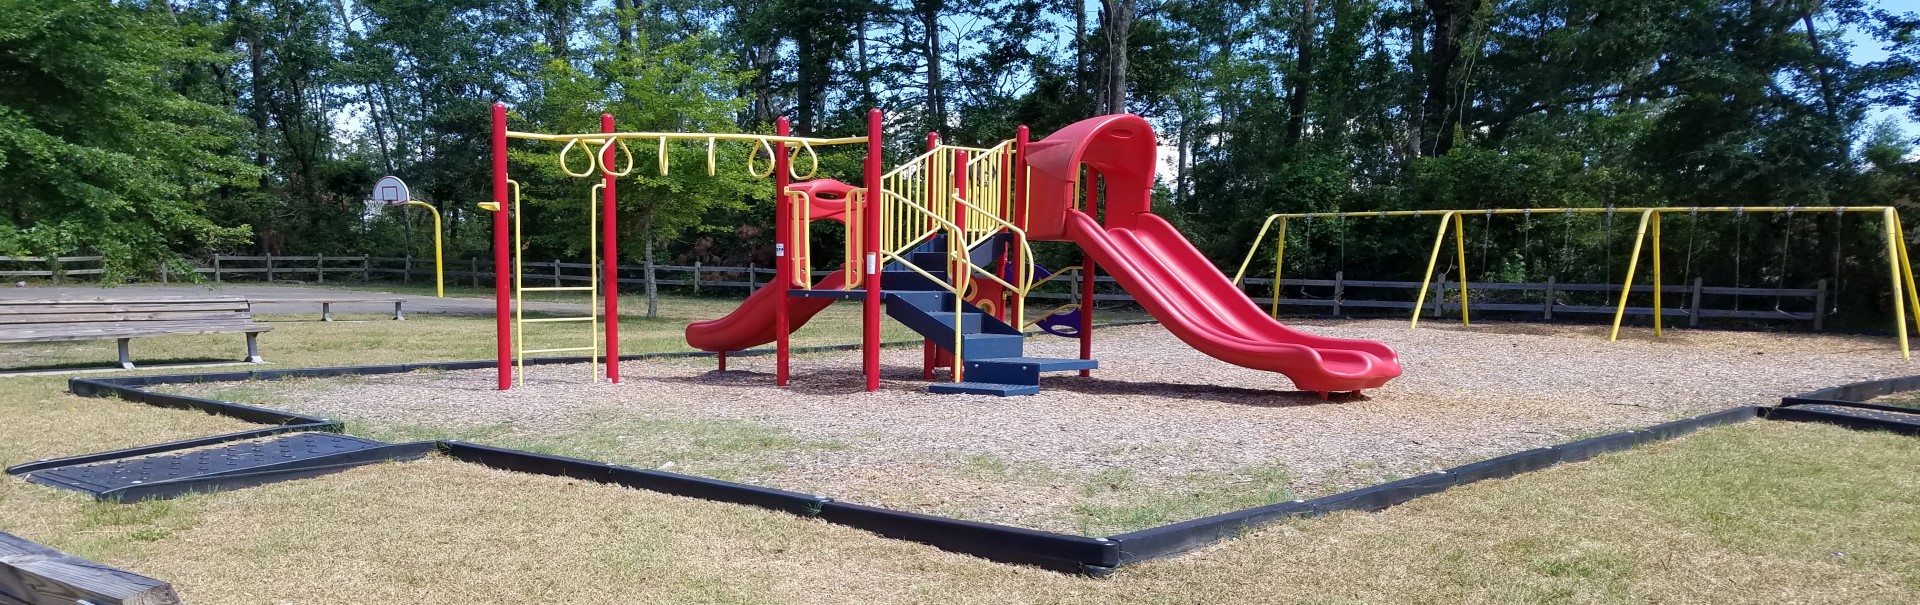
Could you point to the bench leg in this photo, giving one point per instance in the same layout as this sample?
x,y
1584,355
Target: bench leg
x,y
326,311
126,360
397,316
253,347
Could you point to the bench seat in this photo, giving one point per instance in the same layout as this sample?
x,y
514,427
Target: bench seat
x,y
23,321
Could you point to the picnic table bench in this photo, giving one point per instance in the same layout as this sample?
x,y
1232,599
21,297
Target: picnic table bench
x,y
126,319
326,304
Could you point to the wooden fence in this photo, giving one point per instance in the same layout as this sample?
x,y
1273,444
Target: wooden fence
x,y
54,268
1548,299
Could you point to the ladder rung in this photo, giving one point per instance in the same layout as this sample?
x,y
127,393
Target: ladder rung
x,y
524,352
555,319
559,289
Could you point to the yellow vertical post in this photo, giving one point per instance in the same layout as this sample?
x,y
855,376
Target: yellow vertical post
x,y
439,264
1279,262
1633,264
1894,262
1439,237
1906,264
1460,247
1656,274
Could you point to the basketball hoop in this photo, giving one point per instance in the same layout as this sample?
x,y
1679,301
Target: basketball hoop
x,y
389,191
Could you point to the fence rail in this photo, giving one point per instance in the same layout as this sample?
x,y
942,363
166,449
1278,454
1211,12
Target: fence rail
x,y
1548,299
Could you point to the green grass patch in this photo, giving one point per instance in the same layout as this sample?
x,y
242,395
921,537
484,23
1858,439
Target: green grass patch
x,y
1117,503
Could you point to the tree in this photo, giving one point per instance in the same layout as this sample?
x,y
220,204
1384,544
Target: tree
x,y
100,154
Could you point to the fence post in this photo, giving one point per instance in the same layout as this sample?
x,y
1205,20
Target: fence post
x,y
752,277
216,269
406,270
1339,290
366,269
1693,304
1820,306
53,268
696,278
473,269
1546,308
1439,296
320,267
269,267
163,273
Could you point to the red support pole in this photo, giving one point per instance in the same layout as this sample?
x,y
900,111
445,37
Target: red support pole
x,y
962,268
930,357
1086,311
610,257
782,246
870,253
503,331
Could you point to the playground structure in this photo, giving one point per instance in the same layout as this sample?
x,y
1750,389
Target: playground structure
x,y
1904,294
942,243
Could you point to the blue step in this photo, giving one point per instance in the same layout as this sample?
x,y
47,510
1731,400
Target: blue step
x,y
1022,370
982,388
840,294
908,279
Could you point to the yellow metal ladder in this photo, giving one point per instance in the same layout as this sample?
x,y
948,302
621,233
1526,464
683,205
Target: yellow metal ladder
x,y
592,289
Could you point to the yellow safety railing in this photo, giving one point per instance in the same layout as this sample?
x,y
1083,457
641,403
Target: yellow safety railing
x,y
520,320
921,200
1905,296
801,222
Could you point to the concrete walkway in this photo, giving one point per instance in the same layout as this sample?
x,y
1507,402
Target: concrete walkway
x,y
263,298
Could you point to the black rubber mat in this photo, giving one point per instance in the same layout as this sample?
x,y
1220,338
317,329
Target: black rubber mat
x,y
238,458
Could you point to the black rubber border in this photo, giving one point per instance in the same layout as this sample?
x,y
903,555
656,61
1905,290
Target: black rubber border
x,y
1168,540
1001,543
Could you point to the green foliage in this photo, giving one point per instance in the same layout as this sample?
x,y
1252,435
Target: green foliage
x,y
99,153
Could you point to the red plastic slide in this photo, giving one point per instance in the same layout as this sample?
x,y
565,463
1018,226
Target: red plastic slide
x,y
751,325
1195,301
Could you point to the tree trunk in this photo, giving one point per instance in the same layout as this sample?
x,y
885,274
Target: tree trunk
x,y
1439,108
1302,76
653,288
1080,46
929,14
373,104
1119,23
867,100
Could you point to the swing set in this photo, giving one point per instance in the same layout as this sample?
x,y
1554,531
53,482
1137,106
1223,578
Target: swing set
x,y
1904,295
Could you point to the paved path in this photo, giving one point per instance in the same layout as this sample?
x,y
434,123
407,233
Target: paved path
x,y
262,298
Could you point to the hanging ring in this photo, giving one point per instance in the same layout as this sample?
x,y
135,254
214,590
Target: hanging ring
x,y
813,157
663,155
624,151
570,146
768,147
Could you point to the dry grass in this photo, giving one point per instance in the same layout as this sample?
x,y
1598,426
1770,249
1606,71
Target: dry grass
x,y
1756,513
1163,434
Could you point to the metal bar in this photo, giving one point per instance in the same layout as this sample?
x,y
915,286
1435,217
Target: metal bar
x,y
1894,261
1432,260
1279,262
1657,328
1460,248
869,212
525,352
559,289
542,320
610,257
1633,264
783,244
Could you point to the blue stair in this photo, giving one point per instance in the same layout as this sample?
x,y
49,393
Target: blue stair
x,y
992,352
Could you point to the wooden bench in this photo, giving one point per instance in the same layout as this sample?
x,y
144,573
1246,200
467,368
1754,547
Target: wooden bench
x,y
326,304
125,319
32,574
